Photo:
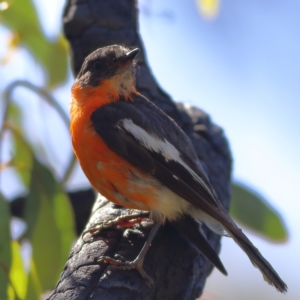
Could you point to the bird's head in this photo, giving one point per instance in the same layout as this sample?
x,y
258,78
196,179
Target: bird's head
x,y
112,63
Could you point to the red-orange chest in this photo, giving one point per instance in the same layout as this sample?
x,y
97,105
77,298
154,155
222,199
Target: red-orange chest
x,y
108,173
98,162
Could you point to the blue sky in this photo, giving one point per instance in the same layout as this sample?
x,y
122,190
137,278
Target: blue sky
x,y
243,68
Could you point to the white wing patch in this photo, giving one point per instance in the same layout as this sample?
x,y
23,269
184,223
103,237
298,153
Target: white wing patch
x,y
162,147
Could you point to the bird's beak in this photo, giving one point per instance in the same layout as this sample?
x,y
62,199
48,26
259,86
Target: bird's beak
x,y
129,56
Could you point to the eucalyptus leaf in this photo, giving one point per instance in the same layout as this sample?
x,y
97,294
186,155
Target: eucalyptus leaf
x,y
34,289
50,223
46,247
254,212
18,276
22,19
5,247
65,220
14,113
22,156
41,187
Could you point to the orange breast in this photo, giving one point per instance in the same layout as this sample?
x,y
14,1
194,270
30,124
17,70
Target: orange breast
x,y
109,174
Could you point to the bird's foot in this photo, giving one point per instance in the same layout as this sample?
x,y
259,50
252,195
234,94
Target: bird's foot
x,y
119,222
136,264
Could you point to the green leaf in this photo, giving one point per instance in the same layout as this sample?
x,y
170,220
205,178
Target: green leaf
x,y
42,230
22,156
21,17
18,276
22,153
42,187
34,288
5,247
254,212
58,53
14,113
46,246
64,217
50,223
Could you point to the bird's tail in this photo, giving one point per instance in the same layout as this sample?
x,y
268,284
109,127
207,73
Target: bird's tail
x,y
269,274
190,229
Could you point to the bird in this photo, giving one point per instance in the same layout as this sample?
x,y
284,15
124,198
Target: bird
x,y
138,157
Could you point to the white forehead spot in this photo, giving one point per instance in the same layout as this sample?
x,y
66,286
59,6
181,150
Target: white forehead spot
x,y
120,51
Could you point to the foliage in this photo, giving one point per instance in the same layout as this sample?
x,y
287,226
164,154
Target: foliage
x,y
5,247
26,32
254,212
48,214
50,227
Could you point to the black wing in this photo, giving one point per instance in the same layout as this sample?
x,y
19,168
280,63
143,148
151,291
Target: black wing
x,y
142,134
189,229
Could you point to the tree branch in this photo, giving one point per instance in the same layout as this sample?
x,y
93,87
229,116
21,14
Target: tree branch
x,y
178,269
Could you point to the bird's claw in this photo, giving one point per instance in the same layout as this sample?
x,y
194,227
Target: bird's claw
x,y
128,265
119,222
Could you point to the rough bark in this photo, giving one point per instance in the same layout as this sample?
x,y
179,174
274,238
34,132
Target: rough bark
x,y
179,271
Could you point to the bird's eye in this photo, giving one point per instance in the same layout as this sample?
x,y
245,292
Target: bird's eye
x,y
97,65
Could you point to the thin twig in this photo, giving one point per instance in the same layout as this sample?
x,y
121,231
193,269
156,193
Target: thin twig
x,y
51,101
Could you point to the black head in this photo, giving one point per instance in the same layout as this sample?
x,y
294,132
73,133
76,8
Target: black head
x,y
104,63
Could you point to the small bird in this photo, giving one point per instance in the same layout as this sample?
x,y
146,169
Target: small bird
x,y
138,157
